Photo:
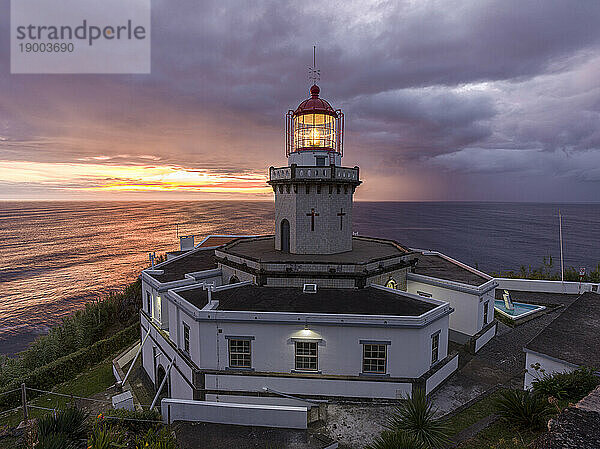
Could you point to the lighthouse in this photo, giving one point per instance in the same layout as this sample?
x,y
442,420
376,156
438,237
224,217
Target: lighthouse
x,y
314,193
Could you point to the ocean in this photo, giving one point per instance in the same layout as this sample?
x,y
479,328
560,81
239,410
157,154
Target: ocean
x,y
57,256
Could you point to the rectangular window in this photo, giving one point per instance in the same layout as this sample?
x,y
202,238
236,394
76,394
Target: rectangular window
x,y
320,161
435,347
186,338
485,312
158,309
239,354
149,303
306,356
374,358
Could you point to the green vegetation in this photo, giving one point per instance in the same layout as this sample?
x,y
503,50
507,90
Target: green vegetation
x,y
67,426
72,428
134,421
570,386
476,412
547,271
413,422
88,383
395,440
501,436
157,437
82,340
105,436
524,408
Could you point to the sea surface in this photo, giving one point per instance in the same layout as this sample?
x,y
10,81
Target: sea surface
x,y
57,256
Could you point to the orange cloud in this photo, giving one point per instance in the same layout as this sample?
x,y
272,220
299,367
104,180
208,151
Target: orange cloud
x,y
127,178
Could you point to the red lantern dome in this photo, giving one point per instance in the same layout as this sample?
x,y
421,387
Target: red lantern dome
x,y
314,104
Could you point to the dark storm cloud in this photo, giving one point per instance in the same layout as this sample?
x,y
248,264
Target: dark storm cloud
x,y
471,87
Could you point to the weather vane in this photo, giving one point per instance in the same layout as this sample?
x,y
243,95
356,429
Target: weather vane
x,y
314,74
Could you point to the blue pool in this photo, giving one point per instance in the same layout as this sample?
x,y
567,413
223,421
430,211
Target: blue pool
x,y
520,309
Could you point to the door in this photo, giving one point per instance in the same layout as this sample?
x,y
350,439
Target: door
x,y
285,236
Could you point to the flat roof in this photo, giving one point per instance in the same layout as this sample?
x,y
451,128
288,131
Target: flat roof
x,y
364,250
196,296
216,240
175,269
364,301
539,298
573,336
436,266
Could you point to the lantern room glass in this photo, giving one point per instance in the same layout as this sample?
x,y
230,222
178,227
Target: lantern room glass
x,y
314,131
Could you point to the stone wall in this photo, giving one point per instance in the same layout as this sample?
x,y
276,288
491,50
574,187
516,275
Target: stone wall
x,y
327,237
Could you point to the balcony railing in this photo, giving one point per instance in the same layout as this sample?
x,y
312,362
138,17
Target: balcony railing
x,y
303,173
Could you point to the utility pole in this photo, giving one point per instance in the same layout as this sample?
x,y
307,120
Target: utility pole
x,y
562,265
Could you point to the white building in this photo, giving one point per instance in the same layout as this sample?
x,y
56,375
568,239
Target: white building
x,y
311,311
469,291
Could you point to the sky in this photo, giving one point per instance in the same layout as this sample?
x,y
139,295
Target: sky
x,y
447,100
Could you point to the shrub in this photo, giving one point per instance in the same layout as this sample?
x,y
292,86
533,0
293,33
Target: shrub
x,y
68,367
523,408
573,385
134,420
56,441
415,416
395,440
78,331
105,436
156,438
70,422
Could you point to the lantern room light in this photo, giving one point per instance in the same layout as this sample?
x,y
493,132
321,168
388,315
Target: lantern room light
x,y
315,125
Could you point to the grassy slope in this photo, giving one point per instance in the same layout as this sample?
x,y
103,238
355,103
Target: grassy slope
x,y
499,435
473,414
88,383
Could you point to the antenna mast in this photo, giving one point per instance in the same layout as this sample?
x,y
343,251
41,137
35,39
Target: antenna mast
x,y
314,75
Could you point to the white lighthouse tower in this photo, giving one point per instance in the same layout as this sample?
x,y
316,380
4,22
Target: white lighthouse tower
x,y
313,194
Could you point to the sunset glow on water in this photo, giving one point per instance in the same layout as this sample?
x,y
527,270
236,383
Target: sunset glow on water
x,y
56,256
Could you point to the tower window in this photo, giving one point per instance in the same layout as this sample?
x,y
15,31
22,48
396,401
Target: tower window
x,y
320,161
306,356
149,303
287,188
280,189
339,188
330,189
346,190
318,188
307,189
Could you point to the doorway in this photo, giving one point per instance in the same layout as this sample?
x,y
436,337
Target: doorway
x,y
285,236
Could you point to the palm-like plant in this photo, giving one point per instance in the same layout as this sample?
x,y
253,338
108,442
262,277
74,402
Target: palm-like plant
x,y
415,416
69,424
523,408
395,440
56,441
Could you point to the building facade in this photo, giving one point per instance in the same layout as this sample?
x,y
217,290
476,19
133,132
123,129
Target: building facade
x,y
312,311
